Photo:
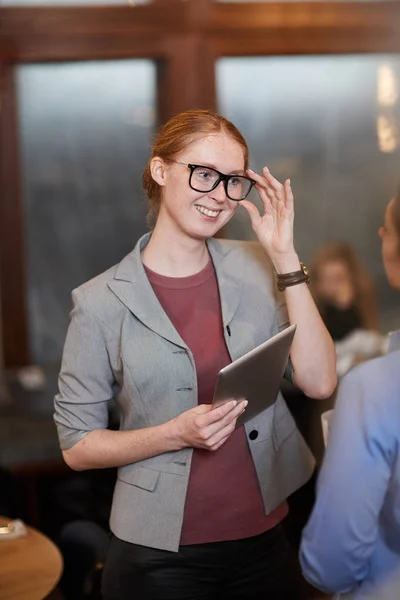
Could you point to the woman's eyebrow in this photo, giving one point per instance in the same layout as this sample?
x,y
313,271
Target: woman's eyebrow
x,y
211,166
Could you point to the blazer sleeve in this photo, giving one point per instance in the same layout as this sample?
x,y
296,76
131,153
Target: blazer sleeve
x,y
341,534
86,382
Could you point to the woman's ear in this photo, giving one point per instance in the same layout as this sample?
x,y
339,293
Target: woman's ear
x,y
157,170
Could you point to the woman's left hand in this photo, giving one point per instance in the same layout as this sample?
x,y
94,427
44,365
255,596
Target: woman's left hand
x,y
274,228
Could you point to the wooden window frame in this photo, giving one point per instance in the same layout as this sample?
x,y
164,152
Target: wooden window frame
x,y
186,38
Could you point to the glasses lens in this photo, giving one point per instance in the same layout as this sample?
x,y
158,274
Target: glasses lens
x,y
238,187
203,179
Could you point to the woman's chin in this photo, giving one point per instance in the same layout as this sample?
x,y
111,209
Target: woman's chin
x,y
206,229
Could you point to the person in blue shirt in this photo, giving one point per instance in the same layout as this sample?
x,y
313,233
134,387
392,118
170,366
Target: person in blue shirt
x,y
351,544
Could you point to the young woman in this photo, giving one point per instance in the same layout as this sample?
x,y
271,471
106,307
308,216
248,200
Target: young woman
x,y
197,504
343,291
352,541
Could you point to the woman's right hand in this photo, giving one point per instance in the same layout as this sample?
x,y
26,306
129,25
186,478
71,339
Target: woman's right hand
x,y
206,427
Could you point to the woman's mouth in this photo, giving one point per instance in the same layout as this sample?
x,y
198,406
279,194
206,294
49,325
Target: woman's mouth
x,y
212,214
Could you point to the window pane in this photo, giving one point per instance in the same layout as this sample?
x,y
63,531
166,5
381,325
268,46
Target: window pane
x,y
331,124
69,2
85,136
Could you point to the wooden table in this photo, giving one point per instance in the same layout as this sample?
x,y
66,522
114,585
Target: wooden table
x,y
30,566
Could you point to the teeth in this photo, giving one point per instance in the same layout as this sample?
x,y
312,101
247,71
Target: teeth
x,y
206,211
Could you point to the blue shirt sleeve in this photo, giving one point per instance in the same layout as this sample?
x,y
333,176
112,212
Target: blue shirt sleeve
x,y
342,531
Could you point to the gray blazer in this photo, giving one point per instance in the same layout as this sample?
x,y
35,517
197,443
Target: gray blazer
x,y
120,343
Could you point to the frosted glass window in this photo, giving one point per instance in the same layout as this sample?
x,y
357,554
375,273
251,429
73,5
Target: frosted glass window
x,y
70,2
85,136
331,124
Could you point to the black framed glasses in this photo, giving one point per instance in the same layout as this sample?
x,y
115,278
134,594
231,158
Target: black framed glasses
x,y
206,179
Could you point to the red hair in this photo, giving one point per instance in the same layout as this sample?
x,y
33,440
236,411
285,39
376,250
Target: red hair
x,y
175,136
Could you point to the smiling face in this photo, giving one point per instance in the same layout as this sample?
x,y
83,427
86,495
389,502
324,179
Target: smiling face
x,y
186,212
334,283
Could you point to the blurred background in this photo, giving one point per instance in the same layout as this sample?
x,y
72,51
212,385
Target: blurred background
x,y
314,88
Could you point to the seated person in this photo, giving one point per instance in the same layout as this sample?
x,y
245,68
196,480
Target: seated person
x,y
345,296
343,291
351,543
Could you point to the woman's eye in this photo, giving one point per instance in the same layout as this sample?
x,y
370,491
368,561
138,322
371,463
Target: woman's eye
x,y
204,174
234,181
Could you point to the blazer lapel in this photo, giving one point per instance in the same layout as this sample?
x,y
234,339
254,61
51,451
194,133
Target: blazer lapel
x,y
228,264
132,287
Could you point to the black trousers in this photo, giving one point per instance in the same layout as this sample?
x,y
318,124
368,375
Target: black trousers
x,y
256,568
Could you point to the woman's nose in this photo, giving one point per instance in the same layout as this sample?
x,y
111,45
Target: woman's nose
x,y
219,193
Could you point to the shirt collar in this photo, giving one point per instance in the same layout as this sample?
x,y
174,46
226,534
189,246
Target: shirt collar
x,y
394,341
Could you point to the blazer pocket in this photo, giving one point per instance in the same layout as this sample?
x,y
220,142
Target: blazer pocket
x,y
176,463
139,477
283,429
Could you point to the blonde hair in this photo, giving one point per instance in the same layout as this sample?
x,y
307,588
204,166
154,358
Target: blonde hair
x,y
365,299
175,136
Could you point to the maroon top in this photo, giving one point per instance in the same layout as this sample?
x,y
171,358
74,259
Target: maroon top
x,y
223,500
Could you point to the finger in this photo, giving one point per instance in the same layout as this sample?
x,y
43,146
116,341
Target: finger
x,y
259,179
202,409
269,200
207,429
261,182
211,430
272,182
269,196
225,432
220,435
214,415
253,212
231,416
277,198
235,413
220,443
289,196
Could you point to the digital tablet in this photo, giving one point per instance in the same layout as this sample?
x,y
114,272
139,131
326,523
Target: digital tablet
x,y
255,376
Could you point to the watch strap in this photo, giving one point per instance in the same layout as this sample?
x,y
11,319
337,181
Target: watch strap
x,y
285,280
